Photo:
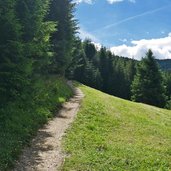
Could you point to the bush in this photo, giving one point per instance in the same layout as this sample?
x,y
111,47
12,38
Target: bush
x,y
20,120
168,105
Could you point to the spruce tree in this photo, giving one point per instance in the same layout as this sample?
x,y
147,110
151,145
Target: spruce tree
x,y
147,86
110,81
77,66
13,66
36,32
167,77
61,11
89,49
92,76
103,67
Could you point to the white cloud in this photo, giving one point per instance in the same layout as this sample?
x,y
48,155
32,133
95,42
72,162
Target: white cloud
x,y
123,40
83,34
85,1
97,45
161,48
109,1
115,1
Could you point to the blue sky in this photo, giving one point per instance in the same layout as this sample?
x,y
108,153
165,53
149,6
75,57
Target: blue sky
x,y
126,25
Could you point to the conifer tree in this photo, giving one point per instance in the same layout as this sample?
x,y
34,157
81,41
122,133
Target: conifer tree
x,y
103,67
92,76
147,86
12,63
61,11
110,81
36,32
167,80
77,66
89,49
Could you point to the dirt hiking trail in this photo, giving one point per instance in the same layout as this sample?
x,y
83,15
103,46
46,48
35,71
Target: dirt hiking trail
x,y
45,152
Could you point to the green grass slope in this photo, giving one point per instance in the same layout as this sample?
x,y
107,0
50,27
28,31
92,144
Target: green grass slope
x,y
20,120
112,134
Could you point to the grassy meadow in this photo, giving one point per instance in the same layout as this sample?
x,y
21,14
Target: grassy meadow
x,y
112,134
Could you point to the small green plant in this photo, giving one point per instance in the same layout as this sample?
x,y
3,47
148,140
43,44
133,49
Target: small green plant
x,y
168,105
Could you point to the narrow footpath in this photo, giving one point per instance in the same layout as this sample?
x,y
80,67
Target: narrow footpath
x,y
45,152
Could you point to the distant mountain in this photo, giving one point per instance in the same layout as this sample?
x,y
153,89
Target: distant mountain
x,y
165,64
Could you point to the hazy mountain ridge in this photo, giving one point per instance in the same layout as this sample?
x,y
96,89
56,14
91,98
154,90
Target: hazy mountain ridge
x,y
165,64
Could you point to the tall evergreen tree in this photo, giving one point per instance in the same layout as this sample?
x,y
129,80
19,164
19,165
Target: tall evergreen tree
x,y
147,86
89,49
103,67
12,64
92,76
110,81
61,11
36,31
77,66
167,77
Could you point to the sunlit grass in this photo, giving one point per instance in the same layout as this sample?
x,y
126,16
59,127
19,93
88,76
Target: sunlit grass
x,y
118,135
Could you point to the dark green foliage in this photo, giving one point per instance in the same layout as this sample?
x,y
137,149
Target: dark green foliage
x,y
92,76
147,86
29,95
103,67
103,70
167,79
20,120
89,49
114,75
61,11
37,46
13,66
36,32
168,104
82,69
124,71
78,63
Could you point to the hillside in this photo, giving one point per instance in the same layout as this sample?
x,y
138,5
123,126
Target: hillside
x,y
165,64
114,134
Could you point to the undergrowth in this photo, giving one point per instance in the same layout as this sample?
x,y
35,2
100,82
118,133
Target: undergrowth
x,y
20,120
